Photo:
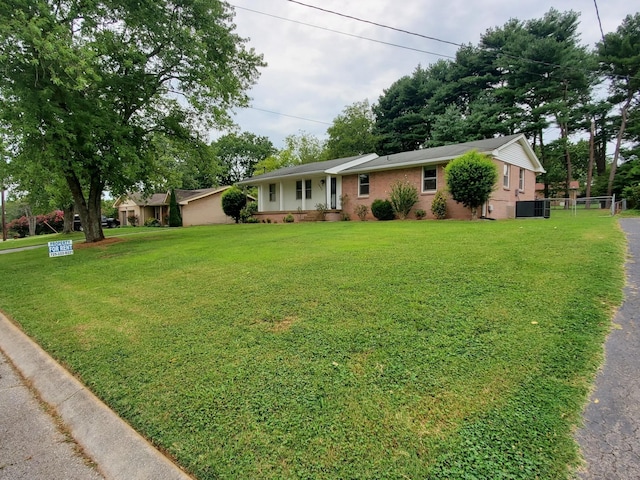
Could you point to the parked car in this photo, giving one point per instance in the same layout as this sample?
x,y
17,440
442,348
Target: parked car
x,y
107,222
110,222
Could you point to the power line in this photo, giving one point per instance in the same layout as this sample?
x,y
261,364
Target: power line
x,y
344,33
290,116
377,24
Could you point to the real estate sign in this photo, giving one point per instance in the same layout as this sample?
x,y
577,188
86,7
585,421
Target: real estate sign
x,y
60,248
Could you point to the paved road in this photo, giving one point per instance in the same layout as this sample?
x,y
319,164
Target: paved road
x,y
31,445
610,438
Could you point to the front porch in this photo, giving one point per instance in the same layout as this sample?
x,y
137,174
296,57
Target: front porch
x,y
299,215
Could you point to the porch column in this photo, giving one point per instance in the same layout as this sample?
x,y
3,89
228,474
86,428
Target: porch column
x,y
261,200
281,194
327,187
304,194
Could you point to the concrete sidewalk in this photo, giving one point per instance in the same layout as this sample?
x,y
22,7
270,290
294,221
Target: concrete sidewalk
x,y
31,447
610,438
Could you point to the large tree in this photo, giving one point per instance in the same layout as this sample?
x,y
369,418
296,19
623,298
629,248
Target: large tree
x,y
352,132
86,85
619,57
238,155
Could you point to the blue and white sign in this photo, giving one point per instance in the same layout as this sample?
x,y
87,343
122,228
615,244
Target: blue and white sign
x,y
60,248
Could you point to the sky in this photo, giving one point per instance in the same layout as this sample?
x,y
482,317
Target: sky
x,y
314,73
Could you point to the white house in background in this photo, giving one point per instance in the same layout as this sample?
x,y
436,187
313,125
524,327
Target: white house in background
x,y
345,183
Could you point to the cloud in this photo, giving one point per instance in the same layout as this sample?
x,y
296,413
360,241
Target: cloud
x,y
314,74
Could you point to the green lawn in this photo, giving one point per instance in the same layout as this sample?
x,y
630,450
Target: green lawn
x,y
338,350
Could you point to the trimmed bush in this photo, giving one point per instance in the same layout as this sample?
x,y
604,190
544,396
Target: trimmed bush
x,y
471,179
403,197
439,205
382,209
233,201
288,219
420,214
175,219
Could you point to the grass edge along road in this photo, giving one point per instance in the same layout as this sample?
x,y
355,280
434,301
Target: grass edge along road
x,y
338,350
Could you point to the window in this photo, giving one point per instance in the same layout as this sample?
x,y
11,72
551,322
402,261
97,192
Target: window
x,y
521,180
307,189
299,190
272,192
429,179
505,177
363,184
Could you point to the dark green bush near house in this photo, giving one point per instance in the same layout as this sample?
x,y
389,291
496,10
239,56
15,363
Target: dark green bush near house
x,y
288,219
132,220
152,222
439,205
382,209
471,178
420,214
632,194
233,201
247,213
403,197
175,219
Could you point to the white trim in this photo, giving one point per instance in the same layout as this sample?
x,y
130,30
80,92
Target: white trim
x,y
353,163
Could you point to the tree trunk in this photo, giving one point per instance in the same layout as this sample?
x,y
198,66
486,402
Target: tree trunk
x,y
616,153
88,209
592,139
67,226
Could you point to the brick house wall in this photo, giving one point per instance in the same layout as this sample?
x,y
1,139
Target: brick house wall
x,y
502,201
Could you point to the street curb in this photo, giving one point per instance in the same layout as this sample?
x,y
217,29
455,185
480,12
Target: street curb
x,y
118,450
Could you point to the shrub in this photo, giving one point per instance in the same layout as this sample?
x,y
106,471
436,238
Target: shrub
x,y
439,205
19,227
420,214
361,212
152,222
247,213
132,220
382,209
175,219
632,194
322,210
233,201
403,197
471,178
288,219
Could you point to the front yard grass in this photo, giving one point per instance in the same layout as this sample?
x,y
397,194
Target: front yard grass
x,y
338,350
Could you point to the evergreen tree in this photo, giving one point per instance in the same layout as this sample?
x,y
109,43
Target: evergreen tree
x,y
175,219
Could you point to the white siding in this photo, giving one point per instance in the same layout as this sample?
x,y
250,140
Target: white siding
x,y
516,155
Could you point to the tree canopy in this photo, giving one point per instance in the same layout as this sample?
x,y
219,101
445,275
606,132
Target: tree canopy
x,y
351,132
87,85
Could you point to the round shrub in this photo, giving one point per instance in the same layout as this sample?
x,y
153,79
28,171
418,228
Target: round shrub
x,y
382,209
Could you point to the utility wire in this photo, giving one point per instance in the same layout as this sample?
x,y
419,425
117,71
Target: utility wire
x,y
290,116
344,33
377,24
408,32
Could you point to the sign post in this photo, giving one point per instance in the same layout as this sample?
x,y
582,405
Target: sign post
x,y
60,248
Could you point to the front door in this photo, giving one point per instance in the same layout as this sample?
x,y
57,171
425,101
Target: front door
x,y
334,197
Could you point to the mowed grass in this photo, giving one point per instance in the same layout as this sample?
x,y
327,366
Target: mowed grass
x,y
338,350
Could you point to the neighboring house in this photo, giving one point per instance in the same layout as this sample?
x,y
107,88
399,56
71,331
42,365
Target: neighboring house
x,y
343,184
197,207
